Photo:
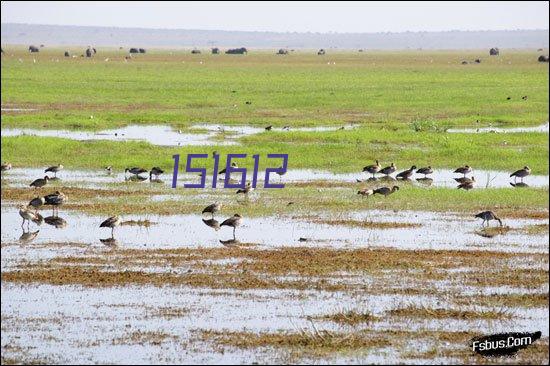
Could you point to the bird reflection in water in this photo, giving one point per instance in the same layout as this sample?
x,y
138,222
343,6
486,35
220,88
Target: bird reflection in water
x,y
230,242
110,242
426,181
214,224
135,178
519,185
28,236
56,221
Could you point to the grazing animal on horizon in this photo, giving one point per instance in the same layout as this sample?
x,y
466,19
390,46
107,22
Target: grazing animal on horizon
x,y
488,216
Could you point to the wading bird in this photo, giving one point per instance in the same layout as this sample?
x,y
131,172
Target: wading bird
x,y
234,221
111,222
212,209
385,191
156,171
488,216
37,202
55,200
135,170
522,173
372,169
40,182
426,170
29,215
54,169
406,174
463,170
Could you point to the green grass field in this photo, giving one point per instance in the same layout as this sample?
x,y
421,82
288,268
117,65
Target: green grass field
x,y
401,102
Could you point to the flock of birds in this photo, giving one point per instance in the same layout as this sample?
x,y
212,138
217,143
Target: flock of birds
x,y
30,212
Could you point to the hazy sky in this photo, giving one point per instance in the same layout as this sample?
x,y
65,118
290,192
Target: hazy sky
x,y
281,16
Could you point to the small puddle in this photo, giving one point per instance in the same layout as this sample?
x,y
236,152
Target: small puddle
x,y
544,128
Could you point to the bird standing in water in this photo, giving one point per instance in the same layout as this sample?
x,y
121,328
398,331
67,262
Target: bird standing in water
x,y
54,169
111,222
234,221
488,216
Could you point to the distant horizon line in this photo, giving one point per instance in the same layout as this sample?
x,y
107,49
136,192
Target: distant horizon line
x,y
279,32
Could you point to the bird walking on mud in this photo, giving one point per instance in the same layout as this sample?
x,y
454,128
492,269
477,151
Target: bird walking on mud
x,y
522,173
54,169
372,169
29,215
488,216
234,222
385,191
40,182
111,222
212,209
463,170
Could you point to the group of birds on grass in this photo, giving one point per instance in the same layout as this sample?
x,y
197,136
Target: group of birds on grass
x,y
30,212
464,182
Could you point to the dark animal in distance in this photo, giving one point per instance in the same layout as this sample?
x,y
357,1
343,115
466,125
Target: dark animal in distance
x,y
67,54
543,58
215,51
134,50
236,51
282,51
321,52
494,51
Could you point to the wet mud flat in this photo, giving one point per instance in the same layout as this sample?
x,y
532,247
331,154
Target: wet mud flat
x,y
250,304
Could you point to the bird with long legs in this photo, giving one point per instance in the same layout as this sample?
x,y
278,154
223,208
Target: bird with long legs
x,y
54,169
234,221
29,215
488,216
111,223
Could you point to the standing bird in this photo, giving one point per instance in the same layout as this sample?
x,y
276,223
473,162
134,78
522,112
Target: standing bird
x,y
234,221
233,165
29,215
388,170
5,166
37,202
135,170
40,182
55,200
212,209
54,169
156,171
366,192
111,222
109,169
406,174
385,191
488,216
246,190
372,169
463,170
427,170
269,128
522,173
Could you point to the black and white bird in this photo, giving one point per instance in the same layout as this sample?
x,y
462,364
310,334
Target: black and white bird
x,y
54,169
111,222
55,200
212,209
37,202
522,173
234,221
135,170
156,171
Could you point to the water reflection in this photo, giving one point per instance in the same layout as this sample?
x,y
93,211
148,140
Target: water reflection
x,y
110,242
56,221
230,242
425,181
519,185
135,178
28,236
214,224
